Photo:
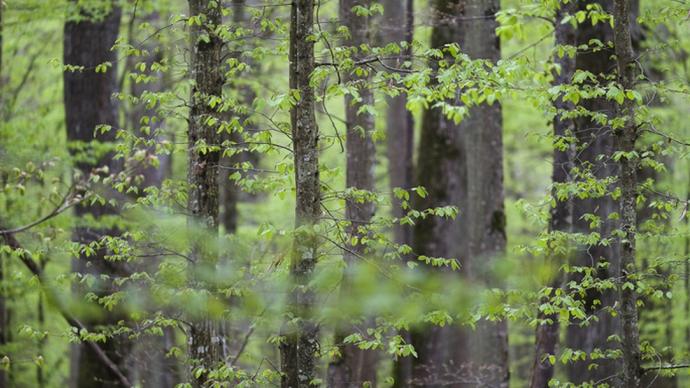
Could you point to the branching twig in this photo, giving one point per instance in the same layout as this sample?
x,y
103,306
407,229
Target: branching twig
x,y
67,202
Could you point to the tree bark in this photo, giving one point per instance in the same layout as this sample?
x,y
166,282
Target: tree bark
x,y
206,341
88,103
485,214
441,170
594,142
356,366
230,192
398,26
462,166
626,138
546,338
298,351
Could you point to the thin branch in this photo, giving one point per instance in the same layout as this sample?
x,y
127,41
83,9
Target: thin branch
x,y
655,131
664,367
65,204
245,341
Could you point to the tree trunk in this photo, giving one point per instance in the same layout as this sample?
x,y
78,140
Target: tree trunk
x,y
462,166
153,175
230,193
485,214
626,137
356,366
594,139
398,26
298,352
441,170
89,103
546,338
206,341
152,368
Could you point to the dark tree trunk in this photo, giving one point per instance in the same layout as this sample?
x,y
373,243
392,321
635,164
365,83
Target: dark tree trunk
x,y
230,193
298,352
594,139
485,214
356,366
89,103
546,338
398,26
441,170
206,341
625,142
462,166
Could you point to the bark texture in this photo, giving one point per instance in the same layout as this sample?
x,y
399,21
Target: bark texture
x,y
625,139
485,214
462,165
206,342
441,169
397,25
594,146
298,351
88,104
546,337
356,366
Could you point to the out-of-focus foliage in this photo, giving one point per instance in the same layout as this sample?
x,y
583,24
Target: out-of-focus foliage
x,y
249,286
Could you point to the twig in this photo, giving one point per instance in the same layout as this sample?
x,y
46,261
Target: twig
x,y
665,367
244,344
65,204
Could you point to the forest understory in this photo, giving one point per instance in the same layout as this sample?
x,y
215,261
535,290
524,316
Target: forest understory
x,y
344,193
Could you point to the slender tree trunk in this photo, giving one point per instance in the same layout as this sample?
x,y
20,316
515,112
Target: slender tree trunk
x,y
356,366
485,214
153,175
298,351
626,138
546,338
88,103
398,26
397,21
441,169
230,193
156,370
206,341
595,142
